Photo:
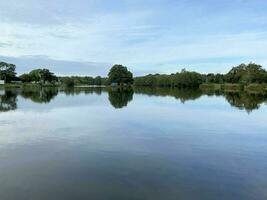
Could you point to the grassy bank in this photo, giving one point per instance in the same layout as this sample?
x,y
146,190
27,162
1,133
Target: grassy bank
x,y
251,88
27,85
210,86
11,86
256,88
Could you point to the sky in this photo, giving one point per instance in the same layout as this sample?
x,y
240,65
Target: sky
x,y
86,37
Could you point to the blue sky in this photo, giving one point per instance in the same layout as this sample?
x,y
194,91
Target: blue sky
x,y
87,36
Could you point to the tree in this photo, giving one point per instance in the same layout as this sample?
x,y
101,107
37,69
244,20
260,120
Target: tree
x,y
68,82
98,80
7,71
119,74
42,75
246,74
187,79
25,78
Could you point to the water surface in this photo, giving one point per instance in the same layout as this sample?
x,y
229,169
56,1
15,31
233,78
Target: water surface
x,y
149,143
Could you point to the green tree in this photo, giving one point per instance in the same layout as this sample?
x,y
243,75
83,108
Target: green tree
x,y
25,78
7,71
42,75
246,74
119,74
98,80
187,79
68,82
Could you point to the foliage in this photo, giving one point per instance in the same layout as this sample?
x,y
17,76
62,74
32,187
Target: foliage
x,y
246,74
7,71
25,78
68,82
39,76
182,79
241,74
84,80
119,74
238,77
97,80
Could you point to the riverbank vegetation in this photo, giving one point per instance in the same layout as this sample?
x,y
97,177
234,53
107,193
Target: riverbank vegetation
x,y
240,75
249,77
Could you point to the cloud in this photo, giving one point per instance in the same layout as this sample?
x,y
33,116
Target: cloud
x,y
60,67
151,35
5,44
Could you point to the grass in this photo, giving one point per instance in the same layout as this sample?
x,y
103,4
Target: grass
x,y
229,87
9,85
256,88
210,86
26,85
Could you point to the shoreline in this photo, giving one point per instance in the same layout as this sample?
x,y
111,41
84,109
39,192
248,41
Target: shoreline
x,y
226,87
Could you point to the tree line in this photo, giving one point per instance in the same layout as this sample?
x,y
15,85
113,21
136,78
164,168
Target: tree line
x,y
241,74
119,75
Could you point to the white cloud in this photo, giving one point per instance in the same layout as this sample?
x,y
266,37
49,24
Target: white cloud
x,y
147,36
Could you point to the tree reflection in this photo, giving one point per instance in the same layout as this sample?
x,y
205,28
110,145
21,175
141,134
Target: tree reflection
x,y
241,100
182,94
39,95
120,97
244,100
8,100
82,90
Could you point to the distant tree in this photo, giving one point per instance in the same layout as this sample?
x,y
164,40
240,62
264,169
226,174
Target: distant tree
x,y
213,78
42,75
7,71
246,74
68,82
25,78
187,79
104,81
119,74
98,80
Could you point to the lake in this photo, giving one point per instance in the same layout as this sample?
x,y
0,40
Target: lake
x,y
146,144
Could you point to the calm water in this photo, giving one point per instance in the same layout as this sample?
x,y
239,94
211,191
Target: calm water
x,y
149,144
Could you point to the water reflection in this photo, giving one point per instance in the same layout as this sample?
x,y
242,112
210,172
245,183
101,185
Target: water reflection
x,y
247,101
120,98
8,100
84,90
181,94
43,95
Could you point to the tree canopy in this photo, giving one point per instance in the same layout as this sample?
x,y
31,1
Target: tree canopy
x,y
7,71
39,75
246,74
180,79
120,74
241,74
